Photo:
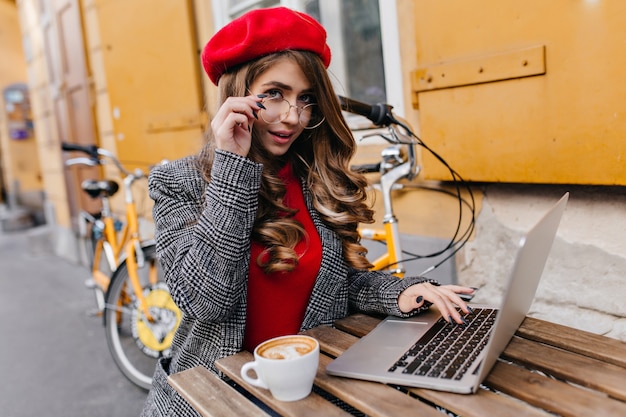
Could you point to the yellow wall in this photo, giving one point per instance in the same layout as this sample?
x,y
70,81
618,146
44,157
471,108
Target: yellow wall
x,y
19,157
204,30
565,125
151,68
48,147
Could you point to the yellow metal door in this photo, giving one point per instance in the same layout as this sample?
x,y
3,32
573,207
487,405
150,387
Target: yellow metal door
x,y
523,91
152,74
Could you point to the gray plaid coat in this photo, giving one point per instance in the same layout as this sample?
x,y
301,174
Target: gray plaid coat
x,y
203,242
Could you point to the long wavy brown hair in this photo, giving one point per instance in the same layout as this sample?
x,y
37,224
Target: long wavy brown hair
x,y
321,156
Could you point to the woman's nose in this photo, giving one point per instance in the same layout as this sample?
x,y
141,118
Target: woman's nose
x,y
293,115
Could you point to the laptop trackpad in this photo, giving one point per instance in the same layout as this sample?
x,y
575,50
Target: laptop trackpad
x,y
399,333
378,350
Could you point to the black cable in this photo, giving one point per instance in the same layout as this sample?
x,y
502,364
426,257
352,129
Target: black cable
x,y
414,256
458,181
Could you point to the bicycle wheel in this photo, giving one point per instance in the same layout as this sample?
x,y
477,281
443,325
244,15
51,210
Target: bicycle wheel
x,y
135,342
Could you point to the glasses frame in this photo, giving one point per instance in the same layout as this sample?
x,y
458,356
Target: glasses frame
x,y
284,115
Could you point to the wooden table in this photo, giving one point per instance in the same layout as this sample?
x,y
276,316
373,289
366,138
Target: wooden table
x,y
547,368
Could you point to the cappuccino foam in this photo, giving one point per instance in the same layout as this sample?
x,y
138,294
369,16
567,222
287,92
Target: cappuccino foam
x,y
289,348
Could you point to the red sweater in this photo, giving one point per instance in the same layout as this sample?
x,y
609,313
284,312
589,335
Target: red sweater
x,y
277,301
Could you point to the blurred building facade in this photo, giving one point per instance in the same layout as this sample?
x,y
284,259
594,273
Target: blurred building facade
x,y
21,182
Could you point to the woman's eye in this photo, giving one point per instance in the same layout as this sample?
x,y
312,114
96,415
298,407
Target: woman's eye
x,y
306,99
274,94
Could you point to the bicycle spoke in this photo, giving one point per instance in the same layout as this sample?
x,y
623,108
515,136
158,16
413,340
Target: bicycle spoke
x,y
119,309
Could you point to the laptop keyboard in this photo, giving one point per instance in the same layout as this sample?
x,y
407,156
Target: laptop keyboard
x,y
448,350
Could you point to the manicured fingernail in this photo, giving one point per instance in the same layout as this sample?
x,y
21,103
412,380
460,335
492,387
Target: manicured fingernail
x,y
471,310
451,320
463,320
260,105
419,299
254,114
261,95
474,288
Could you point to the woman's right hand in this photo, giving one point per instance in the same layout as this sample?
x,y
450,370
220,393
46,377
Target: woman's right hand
x,y
233,122
445,297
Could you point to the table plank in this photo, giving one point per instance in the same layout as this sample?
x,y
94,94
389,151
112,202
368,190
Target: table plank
x,y
577,341
312,406
556,396
211,396
582,370
332,341
372,398
482,403
357,324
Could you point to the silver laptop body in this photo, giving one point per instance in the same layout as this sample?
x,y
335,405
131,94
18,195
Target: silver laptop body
x,y
375,357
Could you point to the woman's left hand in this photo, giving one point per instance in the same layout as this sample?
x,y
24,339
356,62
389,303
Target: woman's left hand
x,y
445,297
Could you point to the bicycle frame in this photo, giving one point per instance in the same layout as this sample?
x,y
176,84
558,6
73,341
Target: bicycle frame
x,y
392,172
131,244
391,257
134,259
113,244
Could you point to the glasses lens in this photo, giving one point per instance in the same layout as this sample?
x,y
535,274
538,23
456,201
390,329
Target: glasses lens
x,y
310,116
276,110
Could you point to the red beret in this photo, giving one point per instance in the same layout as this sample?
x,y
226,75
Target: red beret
x,y
262,32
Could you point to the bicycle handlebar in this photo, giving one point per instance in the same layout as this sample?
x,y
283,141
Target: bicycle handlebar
x,y
90,162
95,155
91,150
366,168
380,113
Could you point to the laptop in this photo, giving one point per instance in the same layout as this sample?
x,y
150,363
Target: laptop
x,y
402,352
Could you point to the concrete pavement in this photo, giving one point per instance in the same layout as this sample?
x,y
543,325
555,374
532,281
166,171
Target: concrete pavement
x,y
53,356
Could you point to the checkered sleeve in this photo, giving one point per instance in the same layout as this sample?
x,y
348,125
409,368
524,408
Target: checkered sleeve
x,y
203,231
378,292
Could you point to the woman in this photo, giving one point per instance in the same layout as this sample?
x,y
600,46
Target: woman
x,y
258,233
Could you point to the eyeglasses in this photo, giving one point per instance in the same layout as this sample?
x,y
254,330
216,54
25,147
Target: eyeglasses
x,y
277,110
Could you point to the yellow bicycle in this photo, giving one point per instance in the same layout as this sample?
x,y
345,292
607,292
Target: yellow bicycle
x,y
399,162
139,315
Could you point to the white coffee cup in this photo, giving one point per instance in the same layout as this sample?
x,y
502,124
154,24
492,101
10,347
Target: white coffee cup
x,y
285,365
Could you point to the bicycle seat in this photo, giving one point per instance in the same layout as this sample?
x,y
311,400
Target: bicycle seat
x,y
97,188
